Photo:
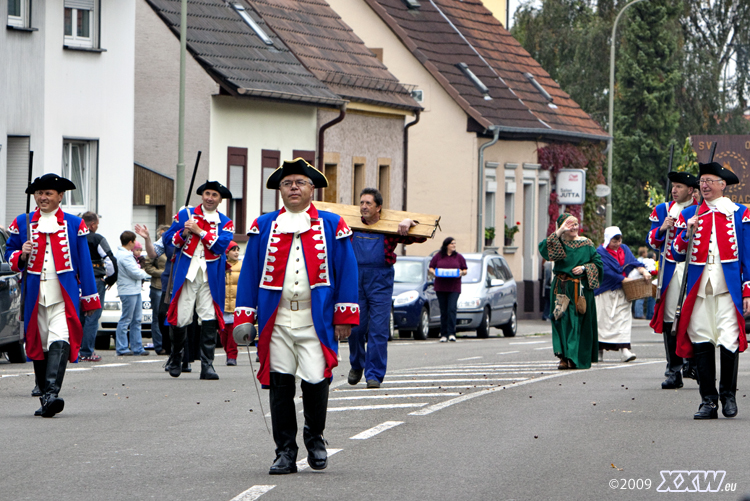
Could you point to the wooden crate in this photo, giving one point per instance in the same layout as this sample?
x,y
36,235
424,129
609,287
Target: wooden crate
x,y
389,219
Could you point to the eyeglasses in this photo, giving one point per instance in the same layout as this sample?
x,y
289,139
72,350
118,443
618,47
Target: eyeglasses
x,y
709,182
299,182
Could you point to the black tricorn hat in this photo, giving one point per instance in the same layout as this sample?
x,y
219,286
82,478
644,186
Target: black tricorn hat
x,y
50,182
296,166
684,178
216,186
716,169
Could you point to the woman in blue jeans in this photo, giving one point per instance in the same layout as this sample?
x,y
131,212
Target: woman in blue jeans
x,y
129,278
448,266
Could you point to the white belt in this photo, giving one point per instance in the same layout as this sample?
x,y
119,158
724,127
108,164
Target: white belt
x,y
295,305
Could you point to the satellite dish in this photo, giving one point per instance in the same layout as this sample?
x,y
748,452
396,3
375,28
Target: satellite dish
x,y
602,190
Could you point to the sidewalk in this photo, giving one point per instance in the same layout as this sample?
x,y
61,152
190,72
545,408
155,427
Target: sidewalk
x,y
533,327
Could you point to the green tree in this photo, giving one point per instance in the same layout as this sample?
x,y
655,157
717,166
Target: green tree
x,y
646,117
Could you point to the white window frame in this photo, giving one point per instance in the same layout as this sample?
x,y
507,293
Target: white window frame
x,y
85,180
73,40
24,20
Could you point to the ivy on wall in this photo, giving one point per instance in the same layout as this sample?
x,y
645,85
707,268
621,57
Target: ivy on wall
x,y
567,156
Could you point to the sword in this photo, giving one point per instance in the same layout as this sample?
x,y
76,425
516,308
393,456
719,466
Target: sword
x,y
242,335
662,257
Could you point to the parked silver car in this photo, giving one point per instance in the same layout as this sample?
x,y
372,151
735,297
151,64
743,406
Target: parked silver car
x,y
488,296
11,333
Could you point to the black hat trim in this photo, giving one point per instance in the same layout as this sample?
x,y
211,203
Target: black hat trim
x,y
297,166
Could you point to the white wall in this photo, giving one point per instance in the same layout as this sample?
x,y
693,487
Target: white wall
x,y
89,95
257,125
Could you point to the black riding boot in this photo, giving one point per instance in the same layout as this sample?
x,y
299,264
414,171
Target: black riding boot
x,y
209,330
706,365
674,363
315,403
284,423
40,375
689,370
57,361
728,381
178,336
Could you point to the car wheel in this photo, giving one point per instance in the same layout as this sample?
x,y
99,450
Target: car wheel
x,y
16,353
484,325
102,342
510,329
391,330
424,325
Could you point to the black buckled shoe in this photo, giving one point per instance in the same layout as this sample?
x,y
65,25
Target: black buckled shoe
x,y
51,405
708,408
208,372
36,392
688,370
285,463
673,381
317,455
355,376
728,406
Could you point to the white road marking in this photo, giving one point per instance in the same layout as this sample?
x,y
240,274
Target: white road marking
x,y
302,463
151,361
79,369
507,352
408,395
375,430
9,375
466,387
459,380
469,358
253,493
375,407
544,348
530,342
473,373
110,365
628,364
481,393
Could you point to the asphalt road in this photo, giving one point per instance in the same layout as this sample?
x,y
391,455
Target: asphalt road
x,y
477,419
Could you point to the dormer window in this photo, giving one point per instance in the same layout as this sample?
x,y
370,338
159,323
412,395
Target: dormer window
x,y
475,80
251,22
538,87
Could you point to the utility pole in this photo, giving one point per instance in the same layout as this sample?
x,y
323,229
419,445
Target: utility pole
x,y
180,177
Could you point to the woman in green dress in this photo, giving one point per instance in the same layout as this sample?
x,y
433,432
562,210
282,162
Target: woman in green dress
x,y
577,271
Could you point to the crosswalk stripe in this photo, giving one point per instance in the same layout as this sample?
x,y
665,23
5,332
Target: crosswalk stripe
x,y
530,342
375,407
253,493
408,395
481,374
79,369
375,430
469,358
110,365
463,380
507,352
302,463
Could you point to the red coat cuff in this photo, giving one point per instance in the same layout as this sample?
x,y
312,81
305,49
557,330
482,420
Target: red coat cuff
x,y
746,289
346,313
90,303
15,261
244,315
209,239
177,239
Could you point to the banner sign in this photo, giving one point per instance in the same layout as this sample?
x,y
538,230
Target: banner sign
x,y
733,153
571,186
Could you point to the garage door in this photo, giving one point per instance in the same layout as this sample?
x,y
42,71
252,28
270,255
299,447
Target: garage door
x,y
147,216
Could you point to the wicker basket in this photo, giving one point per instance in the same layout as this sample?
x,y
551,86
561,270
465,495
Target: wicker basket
x,y
637,289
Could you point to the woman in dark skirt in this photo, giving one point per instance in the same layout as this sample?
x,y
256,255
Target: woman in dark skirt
x,y
448,266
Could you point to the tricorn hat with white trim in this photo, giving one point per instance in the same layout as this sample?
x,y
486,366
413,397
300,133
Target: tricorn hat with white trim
x,y
296,166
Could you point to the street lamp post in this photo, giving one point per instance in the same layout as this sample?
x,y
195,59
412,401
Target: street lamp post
x,y
611,112
180,177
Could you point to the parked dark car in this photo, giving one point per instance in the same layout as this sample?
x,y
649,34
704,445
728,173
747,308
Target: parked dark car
x,y
415,309
11,332
488,296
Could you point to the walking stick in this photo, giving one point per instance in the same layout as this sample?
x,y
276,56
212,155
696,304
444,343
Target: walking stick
x,y
683,287
246,340
28,237
667,242
168,296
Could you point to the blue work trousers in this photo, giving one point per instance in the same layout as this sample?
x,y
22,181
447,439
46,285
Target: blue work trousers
x,y
91,323
156,337
375,291
132,314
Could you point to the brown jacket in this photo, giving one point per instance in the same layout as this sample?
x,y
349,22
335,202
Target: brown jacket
x,y
155,268
233,276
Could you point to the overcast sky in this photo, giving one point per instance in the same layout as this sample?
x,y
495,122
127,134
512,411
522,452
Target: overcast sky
x,y
513,5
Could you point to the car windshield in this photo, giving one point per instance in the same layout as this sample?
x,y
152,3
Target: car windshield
x,y
408,271
474,274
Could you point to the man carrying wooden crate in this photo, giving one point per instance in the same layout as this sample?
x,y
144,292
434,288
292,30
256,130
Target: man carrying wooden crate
x,y
375,258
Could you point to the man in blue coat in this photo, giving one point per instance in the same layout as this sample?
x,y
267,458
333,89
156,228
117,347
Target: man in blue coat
x,y
59,282
200,236
660,238
299,280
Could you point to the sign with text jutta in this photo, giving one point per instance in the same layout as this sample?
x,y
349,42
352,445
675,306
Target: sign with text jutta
x,y
733,153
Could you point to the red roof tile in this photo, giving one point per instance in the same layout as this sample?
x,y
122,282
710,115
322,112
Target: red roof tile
x,y
443,33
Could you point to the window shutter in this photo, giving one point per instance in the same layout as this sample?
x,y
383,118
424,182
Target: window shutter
x,y
17,177
80,4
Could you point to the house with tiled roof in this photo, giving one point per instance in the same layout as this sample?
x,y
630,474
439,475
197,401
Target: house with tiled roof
x,y
488,107
263,79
